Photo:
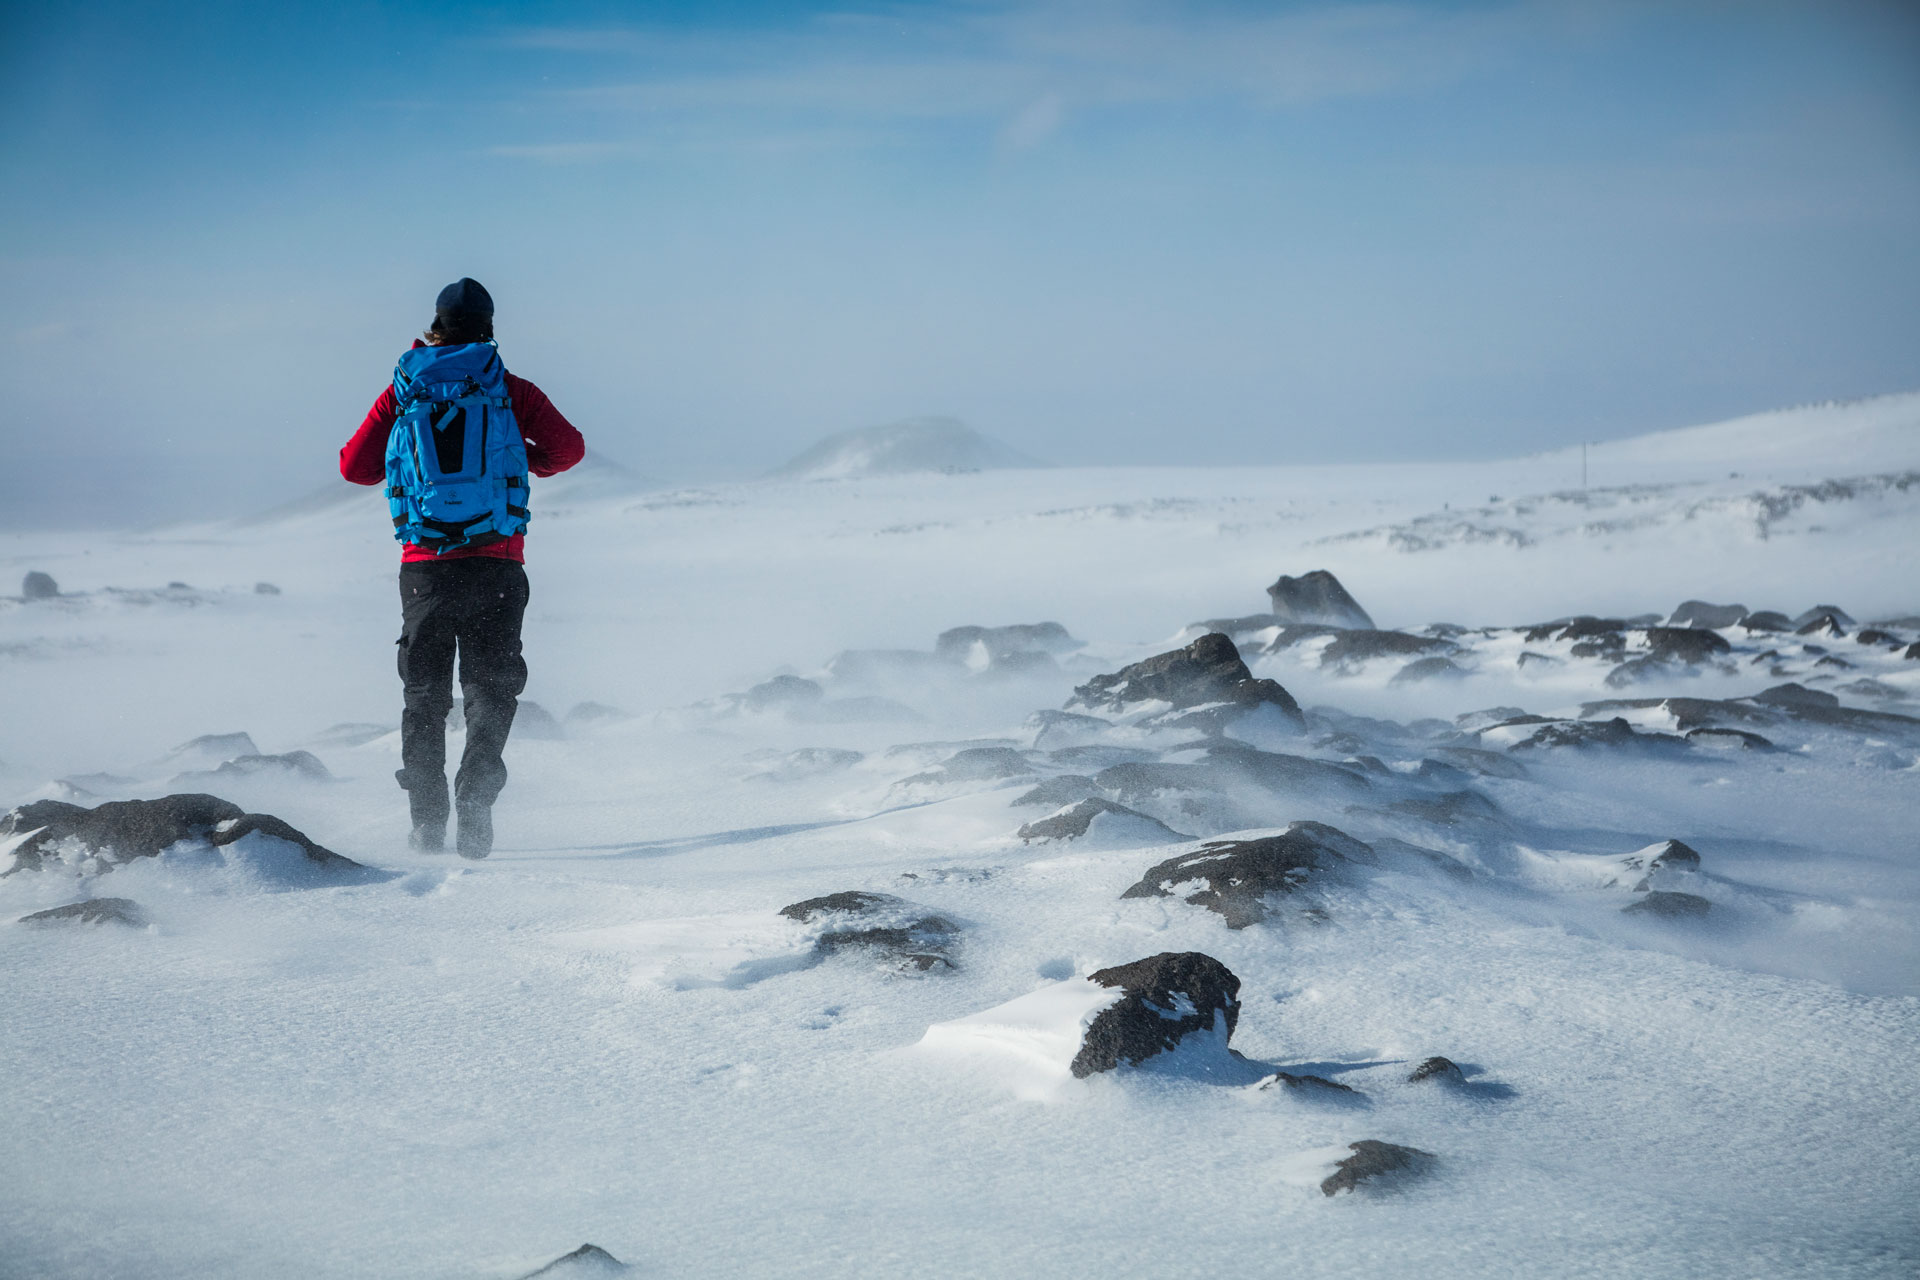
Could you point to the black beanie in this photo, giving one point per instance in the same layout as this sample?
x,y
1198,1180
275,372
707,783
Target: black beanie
x,y
464,296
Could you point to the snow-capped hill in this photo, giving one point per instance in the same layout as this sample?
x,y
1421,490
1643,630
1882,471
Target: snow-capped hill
x,y
1846,437
903,448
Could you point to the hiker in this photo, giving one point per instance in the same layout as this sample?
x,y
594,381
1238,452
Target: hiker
x,y
454,439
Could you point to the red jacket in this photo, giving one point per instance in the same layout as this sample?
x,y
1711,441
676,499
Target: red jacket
x,y
552,446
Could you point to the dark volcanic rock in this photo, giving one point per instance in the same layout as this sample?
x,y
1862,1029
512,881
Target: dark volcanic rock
x,y
1208,670
39,586
1072,823
1766,620
1371,1159
782,691
1439,1069
1433,668
93,911
1669,905
1698,613
1584,627
1913,650
1236,877
1824,625
1831,612
121,830
1595,733
1734,739
1067,788
1362,645
1794,695
978,764
589,1260
1873,635
850,901
1289,1081
1168,997
1316,597
1684,644
898,930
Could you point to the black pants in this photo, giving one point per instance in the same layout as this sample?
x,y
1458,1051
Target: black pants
x,y
471,606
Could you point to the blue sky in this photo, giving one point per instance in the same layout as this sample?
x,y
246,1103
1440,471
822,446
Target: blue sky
x,y
1142,233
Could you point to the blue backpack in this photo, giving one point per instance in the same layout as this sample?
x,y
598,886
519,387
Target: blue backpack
x,y
456,464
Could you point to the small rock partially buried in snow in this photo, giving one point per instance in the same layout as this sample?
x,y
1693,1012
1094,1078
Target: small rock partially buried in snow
x,y
1074,821
39,586
93,911
587,1260
1236,877
1438,1069
1290,1081
1669,905
119,831
1372,1159
1166,998
894,929
1209,670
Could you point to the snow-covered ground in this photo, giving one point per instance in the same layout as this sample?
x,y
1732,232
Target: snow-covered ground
x,y
608,1032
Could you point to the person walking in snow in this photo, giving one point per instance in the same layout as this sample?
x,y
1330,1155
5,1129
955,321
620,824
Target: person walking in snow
x,y
454,438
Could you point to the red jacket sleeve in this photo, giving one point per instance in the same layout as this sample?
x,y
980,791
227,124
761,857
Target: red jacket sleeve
x,y
363,459
552,443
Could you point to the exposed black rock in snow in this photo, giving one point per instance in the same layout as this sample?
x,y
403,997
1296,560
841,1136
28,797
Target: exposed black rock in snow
x,y
1825,624
1594,733
976,764
1440,1070
1669,905
587,1261
1372,1159
1434,668
898,931
1830,612
1317,597
1794,695
1020,647
93,911
1684,644
1729,739
782,692
1064,789
1583,627
1528,658
1290,1081
1236,877
1489,764
1913,650
265,589
295,764
1356,646
1074,821
119,831
1766,620
38,586
1208,670
1167,998
1698,613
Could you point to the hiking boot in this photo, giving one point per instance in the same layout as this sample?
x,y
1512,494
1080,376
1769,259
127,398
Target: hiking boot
x,y
427,837
475,839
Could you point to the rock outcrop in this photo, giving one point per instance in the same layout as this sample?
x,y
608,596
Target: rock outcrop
x,y
901,933
122,911
1209,670
1165,999
1237,878
119,831
38,586
1373,1159
1317,597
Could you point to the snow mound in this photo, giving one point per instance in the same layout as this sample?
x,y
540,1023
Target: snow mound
x,y
1877,434
903,448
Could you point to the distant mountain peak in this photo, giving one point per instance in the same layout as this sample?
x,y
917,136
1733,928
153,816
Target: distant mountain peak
x,y
912,445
